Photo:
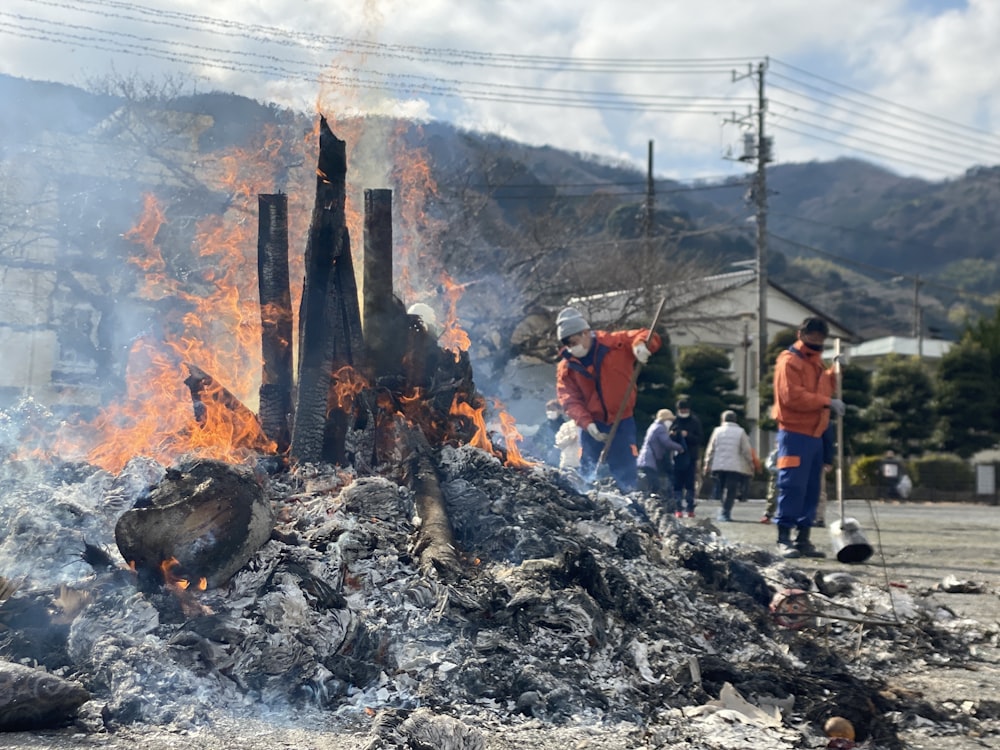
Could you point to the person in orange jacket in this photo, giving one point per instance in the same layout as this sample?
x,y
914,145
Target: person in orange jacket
x,y
803,402
592,382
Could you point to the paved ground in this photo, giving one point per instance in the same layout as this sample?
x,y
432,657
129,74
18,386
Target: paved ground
x,y
916,544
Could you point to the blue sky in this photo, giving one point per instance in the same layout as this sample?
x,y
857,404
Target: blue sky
x,y
904,83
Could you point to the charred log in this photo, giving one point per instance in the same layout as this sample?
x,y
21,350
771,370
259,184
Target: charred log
x,y
383,312
329,315
203,521
35,699
434,544
275,318
212,401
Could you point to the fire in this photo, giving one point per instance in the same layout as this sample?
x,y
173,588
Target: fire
x,y
481,438
171,580
345,385
512,436
208,315
454,337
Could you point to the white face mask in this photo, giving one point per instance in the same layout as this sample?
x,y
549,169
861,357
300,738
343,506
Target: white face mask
x,y
552,414
579,351
683,414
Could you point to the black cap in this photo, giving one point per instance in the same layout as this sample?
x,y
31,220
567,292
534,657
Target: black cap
x,y
683,403
814,325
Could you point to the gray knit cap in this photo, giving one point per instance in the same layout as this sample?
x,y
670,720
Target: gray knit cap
x,y
570,321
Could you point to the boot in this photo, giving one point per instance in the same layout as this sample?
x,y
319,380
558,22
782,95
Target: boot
x,y
785,547
804,546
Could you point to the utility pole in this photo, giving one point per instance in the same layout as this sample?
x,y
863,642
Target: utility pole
x,y
760,201
758,196
918,327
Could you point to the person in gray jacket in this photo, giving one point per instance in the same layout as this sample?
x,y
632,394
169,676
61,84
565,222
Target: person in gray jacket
x,y
730,459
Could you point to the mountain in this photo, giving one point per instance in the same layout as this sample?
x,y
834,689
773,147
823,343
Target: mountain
x,y
540,224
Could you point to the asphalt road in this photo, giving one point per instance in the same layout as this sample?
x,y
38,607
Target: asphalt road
x,y
916,544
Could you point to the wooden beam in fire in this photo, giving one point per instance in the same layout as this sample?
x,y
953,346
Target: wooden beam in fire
x,y
329,315
275,317
245,428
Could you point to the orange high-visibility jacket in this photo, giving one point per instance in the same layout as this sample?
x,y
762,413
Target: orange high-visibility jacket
x,y
594,393
802,391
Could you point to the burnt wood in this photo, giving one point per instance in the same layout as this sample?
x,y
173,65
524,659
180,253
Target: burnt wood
x,y
275,318
383,312
245,428
209,516
329,315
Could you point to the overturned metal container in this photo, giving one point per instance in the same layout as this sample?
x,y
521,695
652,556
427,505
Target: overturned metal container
x,y
849,543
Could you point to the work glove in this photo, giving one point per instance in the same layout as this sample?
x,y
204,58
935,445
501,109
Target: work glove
x,y
595,432
837,407
641,353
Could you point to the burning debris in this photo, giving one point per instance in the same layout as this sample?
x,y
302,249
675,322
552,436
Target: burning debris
x,y
393,561
564,608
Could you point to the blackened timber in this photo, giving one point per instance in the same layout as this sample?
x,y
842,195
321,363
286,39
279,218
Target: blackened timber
x,y
383,313
435,541
329,315
275,318
242,424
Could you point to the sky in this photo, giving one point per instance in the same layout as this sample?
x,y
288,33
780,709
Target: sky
x,y
907,84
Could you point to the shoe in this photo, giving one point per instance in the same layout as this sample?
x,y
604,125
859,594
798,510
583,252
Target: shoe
x,y
808,550
788,551
723,517
690,514
765,518
819,523
678,514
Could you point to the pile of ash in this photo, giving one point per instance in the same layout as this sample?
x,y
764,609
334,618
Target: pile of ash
x,y
571,609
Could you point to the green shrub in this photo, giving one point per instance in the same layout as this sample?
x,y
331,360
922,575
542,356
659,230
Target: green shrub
x,y
942,471
864,471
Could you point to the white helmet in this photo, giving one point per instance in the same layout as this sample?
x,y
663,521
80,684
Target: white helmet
x,y
427,317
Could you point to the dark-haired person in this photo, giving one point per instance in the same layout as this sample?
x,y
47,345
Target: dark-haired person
x,y
592,382
686,429
803,402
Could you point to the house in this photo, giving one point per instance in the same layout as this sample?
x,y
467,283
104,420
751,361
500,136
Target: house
x,y
867,353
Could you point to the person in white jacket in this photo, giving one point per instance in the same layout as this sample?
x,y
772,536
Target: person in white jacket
x,y
568,442
730,459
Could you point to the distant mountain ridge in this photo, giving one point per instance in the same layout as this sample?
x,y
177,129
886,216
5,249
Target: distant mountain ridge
x,y
854,238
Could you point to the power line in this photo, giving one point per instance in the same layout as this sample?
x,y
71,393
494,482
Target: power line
x,y
870,142
367,79
865,94
274,34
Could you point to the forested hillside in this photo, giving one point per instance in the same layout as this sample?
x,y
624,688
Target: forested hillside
x,y
540,224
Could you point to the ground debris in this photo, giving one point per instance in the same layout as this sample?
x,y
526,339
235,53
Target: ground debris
x,y
572,609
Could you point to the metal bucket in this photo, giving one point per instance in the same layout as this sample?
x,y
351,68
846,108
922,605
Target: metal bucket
x,y
849,543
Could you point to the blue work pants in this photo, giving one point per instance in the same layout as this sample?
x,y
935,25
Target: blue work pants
x,y
620,459
800,469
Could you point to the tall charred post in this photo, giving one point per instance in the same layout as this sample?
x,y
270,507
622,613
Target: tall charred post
x,y
329,315
384,315
275,318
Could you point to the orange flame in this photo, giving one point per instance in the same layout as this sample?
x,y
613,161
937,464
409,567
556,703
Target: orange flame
x,y
512,437
481,438
210,317
169,579
454,337
345,385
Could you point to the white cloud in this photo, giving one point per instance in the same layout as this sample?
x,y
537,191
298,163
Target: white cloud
x,y
929,56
